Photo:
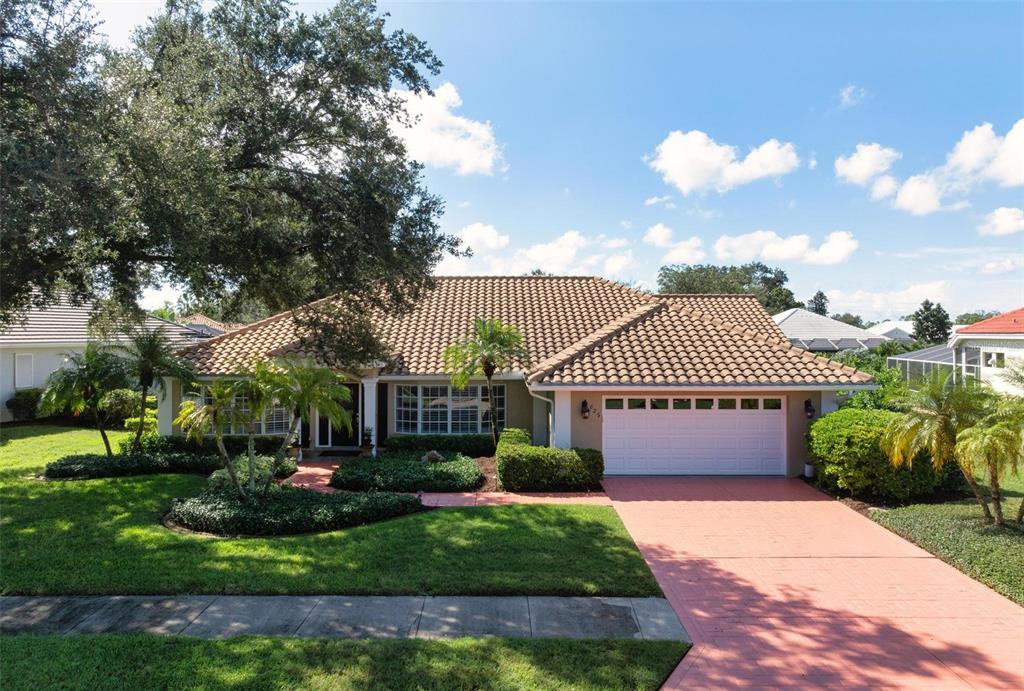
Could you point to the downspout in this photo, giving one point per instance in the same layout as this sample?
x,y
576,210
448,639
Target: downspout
x,y
549,403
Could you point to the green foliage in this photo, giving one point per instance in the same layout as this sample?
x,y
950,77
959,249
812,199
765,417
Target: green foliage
x,y
818,304
849,318
931,323
288,511
119,404
765,282
526,468
265,445
24,404
406,472
965,318
81,466
301,386
846,448
165,312
267,468
892,388
472,445
149,424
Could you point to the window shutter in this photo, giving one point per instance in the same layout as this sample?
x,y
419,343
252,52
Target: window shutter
x,y
24,375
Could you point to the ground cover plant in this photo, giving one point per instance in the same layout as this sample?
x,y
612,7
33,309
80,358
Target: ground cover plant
x,y
408,472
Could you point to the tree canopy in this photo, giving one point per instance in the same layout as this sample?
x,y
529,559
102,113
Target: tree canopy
x,y
818,304
974,317
766,282
931,323
245,149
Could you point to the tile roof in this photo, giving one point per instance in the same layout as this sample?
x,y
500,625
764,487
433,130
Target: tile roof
x,y
208,325
817,332
1009,323
562,320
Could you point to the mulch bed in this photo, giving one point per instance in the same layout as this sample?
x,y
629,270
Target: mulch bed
x,y
488,465
858,506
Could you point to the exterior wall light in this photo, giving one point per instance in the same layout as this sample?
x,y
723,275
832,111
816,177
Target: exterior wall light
x,y
809,409
585,409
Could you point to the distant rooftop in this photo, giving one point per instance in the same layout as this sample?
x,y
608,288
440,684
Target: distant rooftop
x,y
1009,323
818,333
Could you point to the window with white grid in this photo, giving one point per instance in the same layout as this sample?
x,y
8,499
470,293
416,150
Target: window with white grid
x,y
434,409
407,409
465,410
278,420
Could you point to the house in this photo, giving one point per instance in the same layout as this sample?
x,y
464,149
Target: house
x,y
820,334
207,326
902,331
662,384
986,348
36,346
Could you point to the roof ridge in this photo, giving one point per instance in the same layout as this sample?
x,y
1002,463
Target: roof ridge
x,y
551,364
704,295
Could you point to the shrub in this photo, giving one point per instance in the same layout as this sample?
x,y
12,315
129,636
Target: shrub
x,y
148,426
279,466
119,404
24,404
405,472
99,465
523,467
846,448
472,445
288,511
265,445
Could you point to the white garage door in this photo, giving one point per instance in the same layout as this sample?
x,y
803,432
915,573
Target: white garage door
x,y
666,435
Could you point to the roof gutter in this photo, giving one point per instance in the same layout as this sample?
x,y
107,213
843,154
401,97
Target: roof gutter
x,y
734,388
549,403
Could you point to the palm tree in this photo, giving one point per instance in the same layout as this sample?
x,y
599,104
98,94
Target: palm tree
x,y
211,415
150,358
938,409
259,391
302,386
493,346
81,383
992,445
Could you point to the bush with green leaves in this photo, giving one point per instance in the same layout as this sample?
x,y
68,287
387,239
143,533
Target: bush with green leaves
x,y
288,511
405,471
120,404
846,448
265,445
472,445
24,404
272,466
84,466
523,467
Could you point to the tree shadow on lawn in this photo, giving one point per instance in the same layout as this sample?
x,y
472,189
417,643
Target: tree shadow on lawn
x,y
105,537
745,635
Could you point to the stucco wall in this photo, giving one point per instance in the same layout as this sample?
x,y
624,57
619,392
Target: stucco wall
x,y
587,433
994,376
45,360
519,410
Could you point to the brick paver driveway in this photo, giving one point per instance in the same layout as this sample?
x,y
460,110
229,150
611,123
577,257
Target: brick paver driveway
x,y
780,586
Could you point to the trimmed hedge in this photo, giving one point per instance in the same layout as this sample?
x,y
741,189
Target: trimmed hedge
x,y
846,448
525,468
288,511
279,466
405,472
24,404
265,445
84,466
472,445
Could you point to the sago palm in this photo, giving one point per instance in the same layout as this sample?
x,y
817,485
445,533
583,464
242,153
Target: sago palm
x,y
150,357
302,386
492,347
209,416
81,382
938,409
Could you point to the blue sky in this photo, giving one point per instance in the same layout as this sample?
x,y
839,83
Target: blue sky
x,y
595,138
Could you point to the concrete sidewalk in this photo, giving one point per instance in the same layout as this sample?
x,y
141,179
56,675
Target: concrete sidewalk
x,y
339,616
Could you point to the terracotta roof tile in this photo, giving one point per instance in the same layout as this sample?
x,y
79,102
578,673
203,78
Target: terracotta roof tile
x,y
1008,323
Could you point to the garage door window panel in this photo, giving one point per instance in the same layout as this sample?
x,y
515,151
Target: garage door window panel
x,y
637,403
659,404
705,403
680,404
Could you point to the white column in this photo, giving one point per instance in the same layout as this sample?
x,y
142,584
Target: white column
x,y
562,432
370,410
165,409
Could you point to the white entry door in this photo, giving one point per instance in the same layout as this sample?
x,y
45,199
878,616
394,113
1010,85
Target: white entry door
x,y
694,435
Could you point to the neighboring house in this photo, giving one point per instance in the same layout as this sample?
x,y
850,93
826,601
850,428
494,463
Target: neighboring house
x,y
36,345
902,331
662,384
916,364
820,334
986,348
207,326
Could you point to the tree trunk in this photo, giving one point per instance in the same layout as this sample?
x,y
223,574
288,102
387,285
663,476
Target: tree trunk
x,y
230,466
977,493
1020,512
292,428
137,442
103,433
252,456
993,483
494,412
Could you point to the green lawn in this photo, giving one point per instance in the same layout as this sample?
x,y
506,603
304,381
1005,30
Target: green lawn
x,y
954,532
105,536
151,662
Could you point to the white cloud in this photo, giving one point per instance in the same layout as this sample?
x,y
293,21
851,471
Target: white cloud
x,y
813,163
615,243
1007,166
651,201
439,138
693,161
481,237
1002,265
884,187
1003,221
920,195
768,245
689,251
866,163
892,302
659,235
615,264
850,95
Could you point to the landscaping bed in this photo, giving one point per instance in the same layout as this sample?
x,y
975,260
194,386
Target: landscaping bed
x,y
153,662
523,467
287,511
406,472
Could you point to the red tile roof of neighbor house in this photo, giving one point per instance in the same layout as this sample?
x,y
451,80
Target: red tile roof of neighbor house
x,y
579,330
1009,323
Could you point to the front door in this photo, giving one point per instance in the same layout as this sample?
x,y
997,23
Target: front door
x,y
328,436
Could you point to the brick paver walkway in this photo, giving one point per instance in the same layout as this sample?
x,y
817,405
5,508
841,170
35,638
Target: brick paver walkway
x,y
780,586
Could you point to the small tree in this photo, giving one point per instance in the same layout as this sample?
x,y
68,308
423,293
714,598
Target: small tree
x,y
938,409
259,392
993,445
302,386
818,304
149,358
82,382
931,323
210,415
493,346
